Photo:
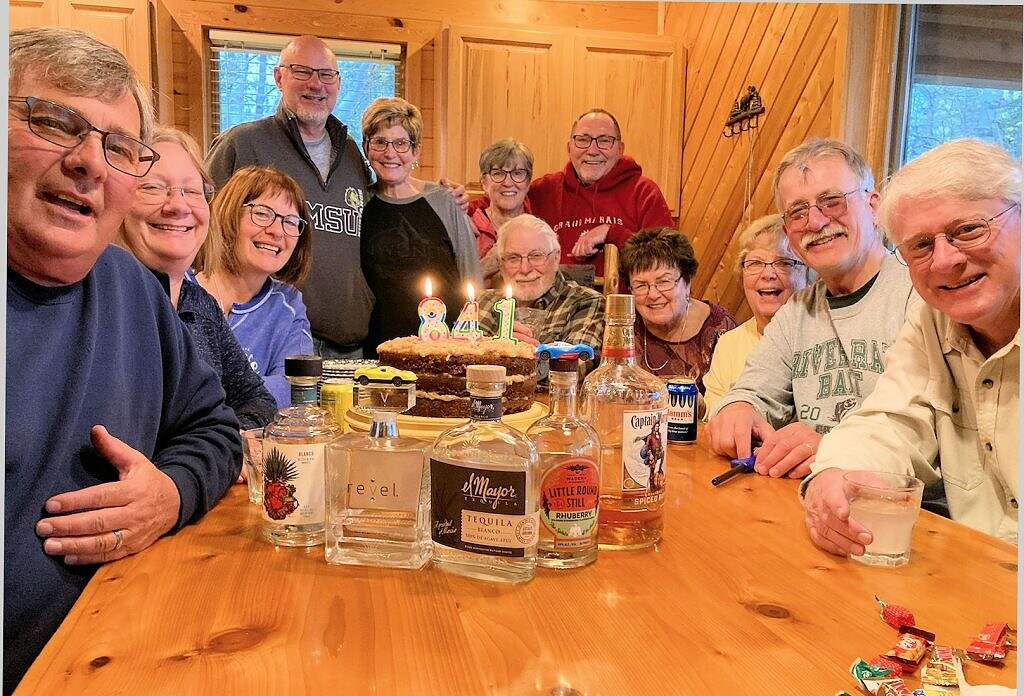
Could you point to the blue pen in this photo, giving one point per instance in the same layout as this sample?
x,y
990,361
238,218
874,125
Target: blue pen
x,y
739,466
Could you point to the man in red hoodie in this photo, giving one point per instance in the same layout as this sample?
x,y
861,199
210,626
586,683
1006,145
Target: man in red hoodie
x,y
599,196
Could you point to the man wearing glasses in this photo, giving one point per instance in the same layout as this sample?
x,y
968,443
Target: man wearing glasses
x,y
600,196
306,141
116,430
823,351
947,406
558,308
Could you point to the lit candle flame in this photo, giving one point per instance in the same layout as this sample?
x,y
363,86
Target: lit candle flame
x,y
430,288
470,293
508,291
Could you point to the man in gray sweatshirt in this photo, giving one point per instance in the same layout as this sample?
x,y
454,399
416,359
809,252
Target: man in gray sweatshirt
x,y
823,351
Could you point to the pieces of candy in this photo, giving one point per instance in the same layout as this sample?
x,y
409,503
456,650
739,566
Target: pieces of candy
x,y
911,645
895,615
941,668
992,643
894,667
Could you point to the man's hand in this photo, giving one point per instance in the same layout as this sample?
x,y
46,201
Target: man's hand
x,y
827,516
788,451
490,263
142,505
586,245
524,333
732,429
459,191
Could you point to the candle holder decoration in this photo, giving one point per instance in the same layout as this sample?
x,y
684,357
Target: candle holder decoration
x,y
432,313
467,326
506,309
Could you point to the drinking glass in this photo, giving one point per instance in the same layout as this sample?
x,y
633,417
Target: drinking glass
x,y
532,317
887,505
252,460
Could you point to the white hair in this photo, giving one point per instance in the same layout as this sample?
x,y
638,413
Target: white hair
x,y
530,222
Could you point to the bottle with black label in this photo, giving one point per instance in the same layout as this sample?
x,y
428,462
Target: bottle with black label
x,y
570,481
483,490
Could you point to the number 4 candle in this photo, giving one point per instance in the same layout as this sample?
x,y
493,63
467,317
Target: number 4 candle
x,y
467,327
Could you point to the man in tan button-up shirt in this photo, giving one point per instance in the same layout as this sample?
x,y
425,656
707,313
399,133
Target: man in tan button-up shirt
x,y
947,404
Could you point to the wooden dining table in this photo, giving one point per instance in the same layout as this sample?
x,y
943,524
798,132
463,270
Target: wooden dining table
x,y
734,600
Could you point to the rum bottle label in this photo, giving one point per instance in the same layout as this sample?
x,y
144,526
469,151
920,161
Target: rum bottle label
x,y
644,435
480,510
569,497
293,483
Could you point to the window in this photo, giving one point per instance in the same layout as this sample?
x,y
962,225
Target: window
x,y
960,77
242,77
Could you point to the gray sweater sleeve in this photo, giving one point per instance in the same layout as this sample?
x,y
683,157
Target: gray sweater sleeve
x,y
459,228
221,160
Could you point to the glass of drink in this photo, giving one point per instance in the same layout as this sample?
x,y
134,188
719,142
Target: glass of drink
x,y
532,317
887,505
252,463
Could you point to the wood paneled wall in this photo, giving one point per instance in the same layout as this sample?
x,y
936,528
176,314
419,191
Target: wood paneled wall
x,y
821,70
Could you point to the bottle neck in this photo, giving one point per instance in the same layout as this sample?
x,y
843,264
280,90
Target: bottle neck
x,y
485,401
385,425
303,394
562,399
618,343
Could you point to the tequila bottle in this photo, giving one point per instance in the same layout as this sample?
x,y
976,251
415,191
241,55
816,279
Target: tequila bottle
x,y
378,488
570,475
628,408
483,490
293,460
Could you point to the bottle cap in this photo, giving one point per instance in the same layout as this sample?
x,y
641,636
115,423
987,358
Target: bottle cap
x,y
303,366
620,307
564,364
485,373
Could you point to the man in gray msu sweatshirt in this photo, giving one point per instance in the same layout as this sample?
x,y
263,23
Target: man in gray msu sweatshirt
x,y
823,351
304,140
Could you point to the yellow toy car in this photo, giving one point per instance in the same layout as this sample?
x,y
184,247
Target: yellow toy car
x,y
383,375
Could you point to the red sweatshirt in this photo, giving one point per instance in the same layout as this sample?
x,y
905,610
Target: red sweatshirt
x,y
622,198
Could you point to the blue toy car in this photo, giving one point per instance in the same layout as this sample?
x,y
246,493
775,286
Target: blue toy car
x,y
561,349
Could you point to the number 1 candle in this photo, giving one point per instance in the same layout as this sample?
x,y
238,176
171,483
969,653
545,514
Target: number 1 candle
x,y
506,309
467,326
432,312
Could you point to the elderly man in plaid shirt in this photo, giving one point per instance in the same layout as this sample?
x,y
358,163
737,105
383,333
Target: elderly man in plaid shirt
x,y
549,306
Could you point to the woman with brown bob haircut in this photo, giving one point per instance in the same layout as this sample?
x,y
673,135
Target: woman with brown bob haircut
x,y
267,250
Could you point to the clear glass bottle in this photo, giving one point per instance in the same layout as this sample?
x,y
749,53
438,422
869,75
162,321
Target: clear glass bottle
x,y
570,455
294,447
628,408
378,488
483,490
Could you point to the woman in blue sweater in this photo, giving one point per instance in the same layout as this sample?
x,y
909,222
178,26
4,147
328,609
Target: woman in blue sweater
x,y
267,250
168,223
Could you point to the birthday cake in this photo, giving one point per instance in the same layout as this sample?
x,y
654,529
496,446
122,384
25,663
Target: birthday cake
x,y
440,367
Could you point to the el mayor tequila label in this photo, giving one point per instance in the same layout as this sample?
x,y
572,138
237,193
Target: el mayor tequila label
x,y
293,483
480,510
569,497
644,434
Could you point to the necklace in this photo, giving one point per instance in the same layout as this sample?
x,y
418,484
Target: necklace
x,y
650,367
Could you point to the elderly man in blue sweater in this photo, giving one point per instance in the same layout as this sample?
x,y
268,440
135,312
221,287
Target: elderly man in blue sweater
x,y
116,432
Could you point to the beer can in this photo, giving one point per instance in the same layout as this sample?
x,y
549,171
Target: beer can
x,y
336,397
682,411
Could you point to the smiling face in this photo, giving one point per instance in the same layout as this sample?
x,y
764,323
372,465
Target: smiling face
x,y
311,101
979,286
265,250
392,168
507,195
840,250
661,309
591,163
166,234
64,205
769,290
528,282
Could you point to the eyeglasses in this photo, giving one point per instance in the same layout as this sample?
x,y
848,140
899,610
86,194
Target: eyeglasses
x,y
754,267
831,205
535,258
303,72
662,286
961,235
604,142
264,216
518,176
158,193
402,145
61,126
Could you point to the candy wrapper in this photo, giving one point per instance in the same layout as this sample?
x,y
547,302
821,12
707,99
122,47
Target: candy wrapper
x,y
941,667
911,645
895,687
993,641
895,615
872,678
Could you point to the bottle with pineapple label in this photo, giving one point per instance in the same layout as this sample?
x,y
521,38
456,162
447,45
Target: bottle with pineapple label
x,y
570,475
483,490
294,447
628,408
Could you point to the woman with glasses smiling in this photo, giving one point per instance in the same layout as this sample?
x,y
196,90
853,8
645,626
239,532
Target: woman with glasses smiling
x,y
411,229
771,272
506,168
168,223
675,334
267,251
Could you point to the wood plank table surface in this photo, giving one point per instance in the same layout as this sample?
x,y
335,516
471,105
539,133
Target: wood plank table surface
x,y
734,600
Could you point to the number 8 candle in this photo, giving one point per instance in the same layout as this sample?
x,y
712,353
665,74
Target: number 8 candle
x,y
506,309
432,312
